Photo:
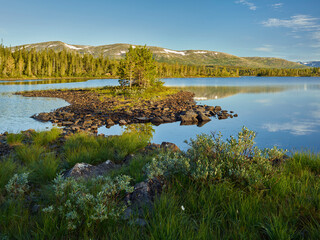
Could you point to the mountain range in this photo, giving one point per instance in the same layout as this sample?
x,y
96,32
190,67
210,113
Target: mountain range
x,y
189,57
311,64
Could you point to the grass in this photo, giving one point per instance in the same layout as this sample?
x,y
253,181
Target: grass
x,y
44,170
29,153
135,96
15,139
46,137
7,168
93,150
286,206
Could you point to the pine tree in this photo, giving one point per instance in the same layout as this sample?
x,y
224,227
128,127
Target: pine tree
x,y
137,68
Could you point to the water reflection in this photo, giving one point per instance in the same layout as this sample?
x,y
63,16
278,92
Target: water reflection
x,y
215,92
39,81
283,111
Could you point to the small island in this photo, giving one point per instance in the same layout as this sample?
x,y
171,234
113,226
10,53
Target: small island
x,y
141,98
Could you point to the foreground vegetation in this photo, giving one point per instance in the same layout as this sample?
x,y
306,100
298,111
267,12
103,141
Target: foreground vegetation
x,y
216,190
22,63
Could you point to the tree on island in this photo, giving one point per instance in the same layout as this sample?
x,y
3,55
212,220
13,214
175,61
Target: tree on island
x,y
138,68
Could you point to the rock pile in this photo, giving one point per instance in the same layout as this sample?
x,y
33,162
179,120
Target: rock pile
x,y
88,111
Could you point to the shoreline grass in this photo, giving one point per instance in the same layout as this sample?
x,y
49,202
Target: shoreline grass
x,y
272,201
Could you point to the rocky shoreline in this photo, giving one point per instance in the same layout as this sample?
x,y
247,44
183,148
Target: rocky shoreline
x,y
89,110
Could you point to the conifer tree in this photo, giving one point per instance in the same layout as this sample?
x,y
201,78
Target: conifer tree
x,y
137,68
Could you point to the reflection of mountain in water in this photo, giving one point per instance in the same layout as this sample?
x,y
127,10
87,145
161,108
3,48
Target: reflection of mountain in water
x,y
216,92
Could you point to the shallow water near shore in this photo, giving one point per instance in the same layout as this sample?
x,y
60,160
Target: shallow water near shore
x,y
283,111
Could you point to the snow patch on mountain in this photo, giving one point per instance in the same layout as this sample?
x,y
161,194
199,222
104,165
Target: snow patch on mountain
x,y
72,47
175,52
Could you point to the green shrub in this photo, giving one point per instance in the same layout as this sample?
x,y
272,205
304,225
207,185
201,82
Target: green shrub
x,y
83,205
210,158
17,186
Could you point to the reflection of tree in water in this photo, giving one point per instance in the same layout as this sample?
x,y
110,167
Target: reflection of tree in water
x,y
144,130
215,92
35,82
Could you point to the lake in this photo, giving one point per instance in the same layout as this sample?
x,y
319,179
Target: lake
x,y
282,111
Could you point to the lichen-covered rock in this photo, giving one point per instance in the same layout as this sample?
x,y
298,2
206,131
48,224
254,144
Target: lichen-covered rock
x,y
86,170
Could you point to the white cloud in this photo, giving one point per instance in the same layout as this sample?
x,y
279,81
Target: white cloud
x,y
302,22
264,101
264,48
277,5
298,24
250,5
294,128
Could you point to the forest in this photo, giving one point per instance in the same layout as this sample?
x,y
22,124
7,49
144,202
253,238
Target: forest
x,y
20,63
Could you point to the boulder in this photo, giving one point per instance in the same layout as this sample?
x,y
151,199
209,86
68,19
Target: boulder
x,y
67,123
142,196
157,121
122,122
143,119
109,122
191,113
167,146
151,147
42,117
166,119
189,119
217,109
85,170
203,118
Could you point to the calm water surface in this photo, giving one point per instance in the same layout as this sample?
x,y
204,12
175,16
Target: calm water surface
x,y
283,111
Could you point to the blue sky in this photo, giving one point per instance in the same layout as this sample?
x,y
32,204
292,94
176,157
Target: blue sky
x,y
287,29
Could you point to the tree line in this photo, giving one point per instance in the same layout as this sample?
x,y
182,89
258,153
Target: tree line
x,y
21,63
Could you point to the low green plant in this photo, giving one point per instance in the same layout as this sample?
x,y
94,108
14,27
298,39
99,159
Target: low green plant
x,y
45,169
15,139
18,187
29,153
210,159
93,150
83,205
46,137
134,167
7,169
85,148
15,220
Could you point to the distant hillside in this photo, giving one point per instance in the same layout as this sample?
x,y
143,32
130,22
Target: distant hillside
x,y
311,64
189,57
